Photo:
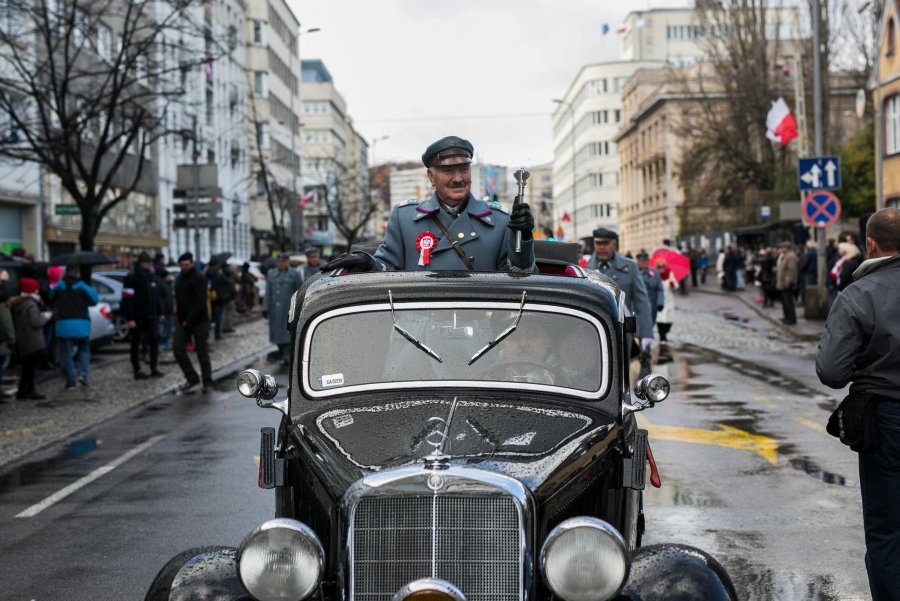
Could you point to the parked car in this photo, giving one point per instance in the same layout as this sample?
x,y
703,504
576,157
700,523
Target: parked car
x,y
103,330
109,289
454,436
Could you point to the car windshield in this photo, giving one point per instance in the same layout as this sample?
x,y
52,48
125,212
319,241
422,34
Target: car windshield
x,y
509,345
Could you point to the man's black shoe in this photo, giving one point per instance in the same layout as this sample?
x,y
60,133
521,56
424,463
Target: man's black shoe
x,y
139,375
788,322
32,396
156,373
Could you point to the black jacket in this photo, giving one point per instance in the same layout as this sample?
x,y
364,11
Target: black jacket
x,y
142,295
190,298
859,343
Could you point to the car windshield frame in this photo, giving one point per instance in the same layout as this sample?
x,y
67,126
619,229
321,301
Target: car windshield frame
x,y
530,308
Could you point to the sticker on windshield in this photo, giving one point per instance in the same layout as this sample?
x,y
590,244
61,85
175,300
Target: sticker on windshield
x,y
342,420
332,380
522,440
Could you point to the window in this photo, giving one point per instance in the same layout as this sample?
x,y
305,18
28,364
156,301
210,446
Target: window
x,y
259,83
140,68
10,20
617,116
892,125
104,42
262,136
81,27
258,32
890,37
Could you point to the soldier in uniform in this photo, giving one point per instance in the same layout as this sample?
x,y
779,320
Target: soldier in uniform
x,y
626,274
656,294
452,230
281,284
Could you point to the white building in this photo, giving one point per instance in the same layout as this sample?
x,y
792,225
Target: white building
x,y
214,110
592,109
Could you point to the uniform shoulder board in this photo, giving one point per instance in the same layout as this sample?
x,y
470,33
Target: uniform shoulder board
x,y
411,202
495,206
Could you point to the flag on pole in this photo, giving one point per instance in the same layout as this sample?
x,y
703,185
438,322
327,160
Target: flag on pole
x,y
304,200
622,29
780,124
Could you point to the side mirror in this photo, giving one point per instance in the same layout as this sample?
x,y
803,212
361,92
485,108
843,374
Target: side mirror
x,y
648,391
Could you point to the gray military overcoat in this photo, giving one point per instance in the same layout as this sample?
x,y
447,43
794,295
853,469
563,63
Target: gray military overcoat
x,y
627,276
280,286
655,291
480,231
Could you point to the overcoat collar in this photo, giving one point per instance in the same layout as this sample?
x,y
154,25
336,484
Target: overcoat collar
x,y
478,209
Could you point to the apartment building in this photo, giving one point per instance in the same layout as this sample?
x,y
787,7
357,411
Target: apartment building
x,y
884,86
273,121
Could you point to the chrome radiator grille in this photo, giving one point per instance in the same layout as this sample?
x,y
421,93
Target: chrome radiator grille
x,y
473,542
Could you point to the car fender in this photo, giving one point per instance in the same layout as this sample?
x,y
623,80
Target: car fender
x,y
201,573
676,572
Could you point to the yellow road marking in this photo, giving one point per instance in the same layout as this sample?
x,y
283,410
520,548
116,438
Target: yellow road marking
x,y
727,436
12,433
810,424
764,401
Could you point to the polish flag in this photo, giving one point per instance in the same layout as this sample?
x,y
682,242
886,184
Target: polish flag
x,y
304,200
780,124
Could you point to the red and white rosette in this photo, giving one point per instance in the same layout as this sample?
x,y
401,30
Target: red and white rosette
x,y
424,243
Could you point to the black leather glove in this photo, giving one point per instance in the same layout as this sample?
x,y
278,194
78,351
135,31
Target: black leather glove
x,y
353,263
659,307
265,314
521,219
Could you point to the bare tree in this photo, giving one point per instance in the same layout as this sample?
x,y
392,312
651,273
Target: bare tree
x,y
349,202
86,86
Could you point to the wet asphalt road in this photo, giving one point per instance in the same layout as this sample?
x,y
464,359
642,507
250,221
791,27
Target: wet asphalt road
x,y
748,475
192,483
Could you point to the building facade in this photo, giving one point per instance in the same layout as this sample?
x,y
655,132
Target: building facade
x,y
273,125
884,86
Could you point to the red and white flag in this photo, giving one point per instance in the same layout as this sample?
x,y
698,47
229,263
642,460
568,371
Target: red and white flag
x,y
304,200
780,124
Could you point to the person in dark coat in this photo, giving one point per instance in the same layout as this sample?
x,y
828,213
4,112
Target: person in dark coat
x,y
71,300
223,294
191,319
29,321
248,291
656,293
143,305
730,267
168,294
859,348
7,329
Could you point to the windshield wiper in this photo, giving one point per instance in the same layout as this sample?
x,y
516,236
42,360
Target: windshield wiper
x,y
501,335
409,336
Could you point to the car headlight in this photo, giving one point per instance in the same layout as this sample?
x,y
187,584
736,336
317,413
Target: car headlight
x,y
584,559
282,560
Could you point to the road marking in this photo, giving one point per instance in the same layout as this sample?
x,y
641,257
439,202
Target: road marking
x,y
726,436
810,424
764,401
82,482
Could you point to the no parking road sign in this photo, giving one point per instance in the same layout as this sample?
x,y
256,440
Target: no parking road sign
x,y
821,208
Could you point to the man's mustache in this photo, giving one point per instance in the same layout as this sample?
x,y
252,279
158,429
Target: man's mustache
x,y
456,185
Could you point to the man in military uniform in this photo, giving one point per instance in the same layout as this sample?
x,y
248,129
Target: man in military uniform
x,y
281,284
452,230
627,276
657,296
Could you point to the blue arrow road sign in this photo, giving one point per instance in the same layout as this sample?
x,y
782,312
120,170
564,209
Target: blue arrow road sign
x,y
819,173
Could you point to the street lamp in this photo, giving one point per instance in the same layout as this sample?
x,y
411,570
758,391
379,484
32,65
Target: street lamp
x,y
574,177
295,121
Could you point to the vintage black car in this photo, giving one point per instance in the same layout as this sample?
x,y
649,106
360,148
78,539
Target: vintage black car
x,y
451,436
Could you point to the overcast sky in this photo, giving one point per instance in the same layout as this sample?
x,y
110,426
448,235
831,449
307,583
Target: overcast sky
x,y
486,70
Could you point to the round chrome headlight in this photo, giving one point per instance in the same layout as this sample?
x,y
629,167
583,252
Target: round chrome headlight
x,y
657,388
249,382
282,560
584,559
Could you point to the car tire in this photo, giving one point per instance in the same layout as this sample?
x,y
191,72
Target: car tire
x,y
162,584
121,326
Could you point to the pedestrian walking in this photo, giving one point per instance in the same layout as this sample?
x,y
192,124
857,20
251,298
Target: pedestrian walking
x,y
248,291
850,258
143,306
786,273
7,330
703,265
666,315
71,299
859,347
625,273
191,321
655,292
167,324
313,264
29,319
281,283
452,230
222,294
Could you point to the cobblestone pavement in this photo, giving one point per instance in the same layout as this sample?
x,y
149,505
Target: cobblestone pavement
x,y
26,426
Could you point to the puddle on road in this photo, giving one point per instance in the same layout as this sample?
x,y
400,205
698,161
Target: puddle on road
x,y
805,464
757,583
35,472
672,495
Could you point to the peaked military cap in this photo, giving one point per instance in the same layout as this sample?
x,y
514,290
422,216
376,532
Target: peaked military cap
x,y
451,146
642,254
605,233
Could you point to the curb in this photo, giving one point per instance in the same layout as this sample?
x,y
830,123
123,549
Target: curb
x,y
797,336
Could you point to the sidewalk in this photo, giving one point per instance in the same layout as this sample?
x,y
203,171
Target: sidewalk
x,y
26,426
804,329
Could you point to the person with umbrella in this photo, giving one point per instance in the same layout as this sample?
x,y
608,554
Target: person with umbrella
x,y
607,261
143,305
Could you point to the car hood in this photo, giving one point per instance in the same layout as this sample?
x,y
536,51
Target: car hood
x,y
531,440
